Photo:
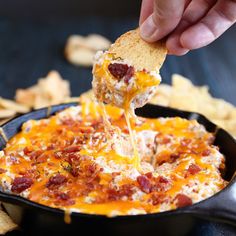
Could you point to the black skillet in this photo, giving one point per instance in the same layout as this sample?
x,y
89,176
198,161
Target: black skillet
x,y
37,219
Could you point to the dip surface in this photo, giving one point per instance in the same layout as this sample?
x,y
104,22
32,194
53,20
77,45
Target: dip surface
x,y
74,161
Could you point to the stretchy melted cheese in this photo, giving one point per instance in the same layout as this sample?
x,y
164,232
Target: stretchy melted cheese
x,y
118,83
69,161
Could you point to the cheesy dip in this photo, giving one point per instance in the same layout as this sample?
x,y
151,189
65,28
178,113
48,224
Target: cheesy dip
x,y
72,161
117,82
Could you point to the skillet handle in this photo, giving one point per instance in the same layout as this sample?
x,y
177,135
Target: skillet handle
x,y
221,207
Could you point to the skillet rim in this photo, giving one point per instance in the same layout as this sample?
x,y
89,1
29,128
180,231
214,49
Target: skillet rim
x,y
49,111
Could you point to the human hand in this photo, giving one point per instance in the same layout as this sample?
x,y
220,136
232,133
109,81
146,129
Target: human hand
x,y
188,24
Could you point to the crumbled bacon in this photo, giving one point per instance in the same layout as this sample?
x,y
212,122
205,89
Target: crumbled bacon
x,y
72,149
125,190
206,152
162,180
32,174
160,183
20,184
185,142
56,180
35,154
158,198
63,196
182,200
119,70
174,157
144,183
164,140
129,74
193,169
85,129
63,199
26,151
149,175
2,171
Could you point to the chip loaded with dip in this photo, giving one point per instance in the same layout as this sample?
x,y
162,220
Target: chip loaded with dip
x,y
127,75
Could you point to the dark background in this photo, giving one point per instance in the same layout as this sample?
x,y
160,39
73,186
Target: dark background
x,y
33,34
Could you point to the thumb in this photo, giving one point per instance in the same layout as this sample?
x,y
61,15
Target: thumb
x,y
165,17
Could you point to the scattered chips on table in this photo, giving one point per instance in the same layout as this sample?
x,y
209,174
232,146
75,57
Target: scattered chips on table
x,y
6,224
186,96
80,50
50,90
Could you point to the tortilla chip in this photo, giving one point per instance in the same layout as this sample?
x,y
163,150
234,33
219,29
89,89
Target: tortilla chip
x,y
6,224
140,54
50,90
184,95
3,121
11,105
80,50
4,113
80,56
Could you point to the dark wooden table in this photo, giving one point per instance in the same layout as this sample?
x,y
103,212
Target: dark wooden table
x,y
30,49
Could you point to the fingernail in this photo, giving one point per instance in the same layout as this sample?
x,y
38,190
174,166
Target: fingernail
x,y
148,29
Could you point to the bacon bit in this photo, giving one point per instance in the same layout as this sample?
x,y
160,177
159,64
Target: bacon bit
x,y
164,140
162,180
72,149
68,122
64,199
174,157
52,146
125,190
158,198
193,169
58,154
86,129
144,183
115,174
112,195
149,175
20,184
185,142
42,158
35,154
183,200
92,168
32,173
2,171
63,196
74,171
206,152
118,70
56,180
27,151
97,125
129,74
160,183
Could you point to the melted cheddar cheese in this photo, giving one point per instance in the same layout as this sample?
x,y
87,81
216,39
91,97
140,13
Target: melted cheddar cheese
x,y
117,83
70,161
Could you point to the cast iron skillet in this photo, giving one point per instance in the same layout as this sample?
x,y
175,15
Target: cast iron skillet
x,y
37,219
